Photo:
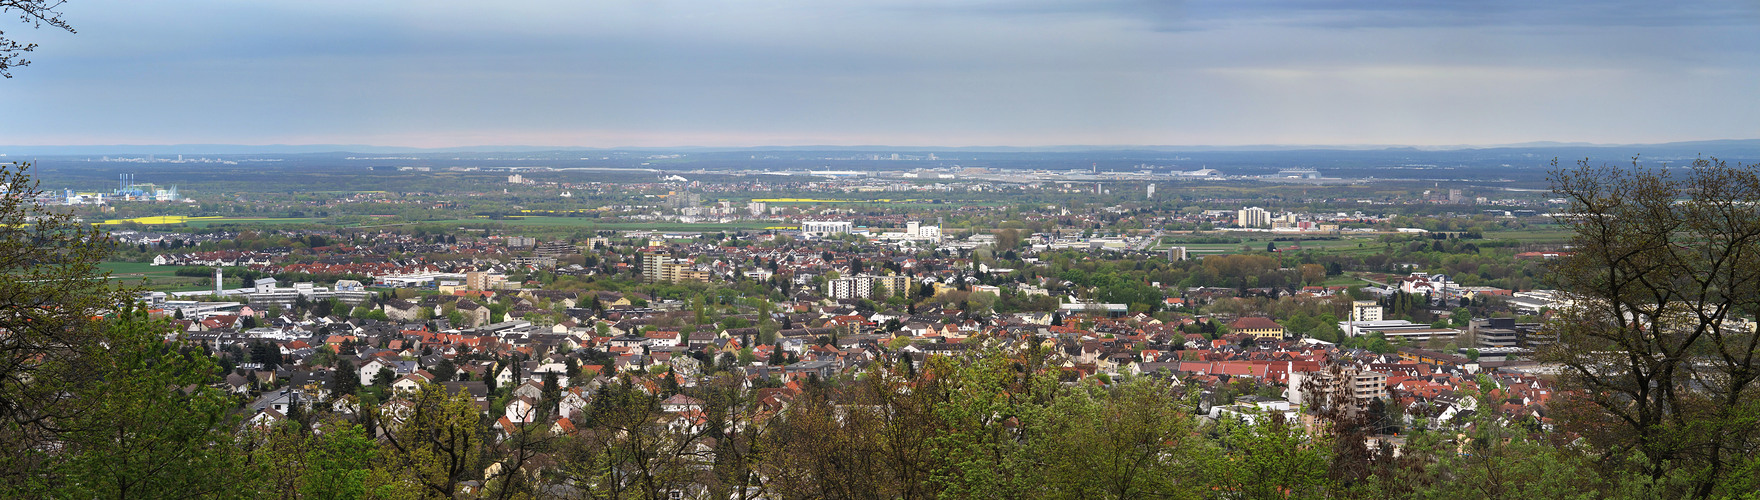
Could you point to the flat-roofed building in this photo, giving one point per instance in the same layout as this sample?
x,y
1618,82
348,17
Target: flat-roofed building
x,y
1365,310
1357,384
1253,217
827,228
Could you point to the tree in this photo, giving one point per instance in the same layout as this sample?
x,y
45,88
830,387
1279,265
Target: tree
x,y
50,290
334,461
1313,274
36,13
345,379
323,308
1008,239
551,392
437,445
445,370
144,435
1134,442
1654,362
626,450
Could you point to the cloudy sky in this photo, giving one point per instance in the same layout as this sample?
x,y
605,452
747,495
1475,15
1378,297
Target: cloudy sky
x,y
437,73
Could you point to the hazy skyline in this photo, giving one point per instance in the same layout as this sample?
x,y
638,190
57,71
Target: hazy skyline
x,y
898,72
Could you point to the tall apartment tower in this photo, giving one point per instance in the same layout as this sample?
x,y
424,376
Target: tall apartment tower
x,y
1365,310
1253,217
651,264
1176,254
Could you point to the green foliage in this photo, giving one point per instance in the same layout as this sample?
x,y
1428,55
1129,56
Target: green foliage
x,y
435,446
335,460
150,426
1493,459
1269,459
50,290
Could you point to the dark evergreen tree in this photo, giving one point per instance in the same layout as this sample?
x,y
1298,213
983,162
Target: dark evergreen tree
x,y
345,379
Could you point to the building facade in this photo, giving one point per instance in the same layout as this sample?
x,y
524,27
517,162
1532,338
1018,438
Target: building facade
x,y
1253,217
826,228
1365,310
1257,326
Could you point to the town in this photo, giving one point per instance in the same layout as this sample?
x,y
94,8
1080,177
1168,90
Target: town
x,y
879,250
536,325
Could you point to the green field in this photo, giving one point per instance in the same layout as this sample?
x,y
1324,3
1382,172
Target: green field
x,y
592,223
1257,242
202,223
1350,243
160,278
1539,235
134,269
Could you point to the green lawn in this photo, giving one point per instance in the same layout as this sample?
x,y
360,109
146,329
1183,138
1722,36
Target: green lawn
x,y
160,278
135,269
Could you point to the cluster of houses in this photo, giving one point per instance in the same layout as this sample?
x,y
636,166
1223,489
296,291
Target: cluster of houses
x,y
813,339
504,343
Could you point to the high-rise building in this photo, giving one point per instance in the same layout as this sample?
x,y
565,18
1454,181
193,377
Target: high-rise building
x,y
651,262
1253,217
681,272
555,249
865,286
854,287
1357,386
894,284
1365,310
1151,191
916,230
660,268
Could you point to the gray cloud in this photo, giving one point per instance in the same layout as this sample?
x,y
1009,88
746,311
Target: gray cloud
x,y
654,72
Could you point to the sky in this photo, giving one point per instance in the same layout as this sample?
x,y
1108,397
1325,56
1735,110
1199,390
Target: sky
x,y
655,73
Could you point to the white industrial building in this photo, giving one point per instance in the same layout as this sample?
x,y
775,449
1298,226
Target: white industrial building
x,y
826,228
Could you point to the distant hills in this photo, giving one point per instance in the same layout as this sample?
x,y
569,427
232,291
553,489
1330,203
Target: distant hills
x,y
1731,148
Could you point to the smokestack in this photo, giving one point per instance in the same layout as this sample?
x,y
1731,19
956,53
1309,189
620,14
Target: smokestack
x,y
217,280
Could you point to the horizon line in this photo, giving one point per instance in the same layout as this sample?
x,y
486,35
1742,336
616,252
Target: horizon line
x,y
485,148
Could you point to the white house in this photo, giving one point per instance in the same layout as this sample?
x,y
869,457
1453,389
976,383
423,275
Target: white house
x,y
574,401
522,410
371,369
408,383
1421,283
681,403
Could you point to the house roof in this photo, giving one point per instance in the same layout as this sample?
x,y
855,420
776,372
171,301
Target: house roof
x,y
1254,323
